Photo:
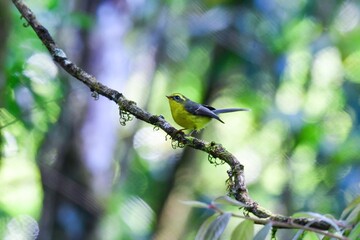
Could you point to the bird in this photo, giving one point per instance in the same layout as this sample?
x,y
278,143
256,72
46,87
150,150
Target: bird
x,y
192,115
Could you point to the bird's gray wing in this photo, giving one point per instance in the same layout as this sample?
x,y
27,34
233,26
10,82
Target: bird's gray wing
x,y
202,110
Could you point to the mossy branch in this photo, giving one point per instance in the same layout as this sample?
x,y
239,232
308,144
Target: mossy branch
x,y
236,182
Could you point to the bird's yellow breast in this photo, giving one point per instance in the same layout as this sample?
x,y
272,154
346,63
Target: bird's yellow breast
x,y
186,119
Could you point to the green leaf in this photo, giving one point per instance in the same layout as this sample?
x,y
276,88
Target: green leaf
x,y
309,236
353,205
204,227
305,235
244,231
261,235
6,118
212,229
354,215
229,201
355,233
196,204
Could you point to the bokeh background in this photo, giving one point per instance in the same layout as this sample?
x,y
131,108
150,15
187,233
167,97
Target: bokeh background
x,y
70,169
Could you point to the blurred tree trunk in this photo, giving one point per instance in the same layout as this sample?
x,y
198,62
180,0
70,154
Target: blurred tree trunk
x,y
4,26
70,210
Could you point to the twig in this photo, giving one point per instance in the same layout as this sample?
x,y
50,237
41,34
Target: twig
x,y
292,225
236,181
288,225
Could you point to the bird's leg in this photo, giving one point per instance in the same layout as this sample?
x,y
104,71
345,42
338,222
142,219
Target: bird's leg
x,y
180,131
195,131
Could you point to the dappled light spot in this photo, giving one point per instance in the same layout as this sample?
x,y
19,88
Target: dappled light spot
x,y
297,66
289,98
253,164
11,145
337,127
320,100
327,68
302,169
22,227
40,68
20,187
268,141
274,177
351,65
137,215
151,146
348,17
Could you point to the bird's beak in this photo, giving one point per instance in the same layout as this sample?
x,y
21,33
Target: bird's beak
x,y
168,96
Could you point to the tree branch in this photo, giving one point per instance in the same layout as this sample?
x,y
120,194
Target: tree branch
x,y
279,225
236,182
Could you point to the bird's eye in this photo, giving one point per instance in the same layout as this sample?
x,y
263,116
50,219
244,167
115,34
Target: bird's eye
x,y
177,98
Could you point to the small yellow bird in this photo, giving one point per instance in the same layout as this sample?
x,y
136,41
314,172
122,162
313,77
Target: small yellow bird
x,y
192,115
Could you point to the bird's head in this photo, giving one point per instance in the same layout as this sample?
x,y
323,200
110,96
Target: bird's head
x,y
177,97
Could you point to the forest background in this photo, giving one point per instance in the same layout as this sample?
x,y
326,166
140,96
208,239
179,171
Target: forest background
x,y
69,168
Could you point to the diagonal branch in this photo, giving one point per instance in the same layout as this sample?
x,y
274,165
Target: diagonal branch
x,y
236,182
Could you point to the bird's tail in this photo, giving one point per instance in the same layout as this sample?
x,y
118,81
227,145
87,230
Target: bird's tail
x,y
227,110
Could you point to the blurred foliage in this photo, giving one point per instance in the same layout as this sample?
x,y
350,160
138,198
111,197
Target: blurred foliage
x,y
294,63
